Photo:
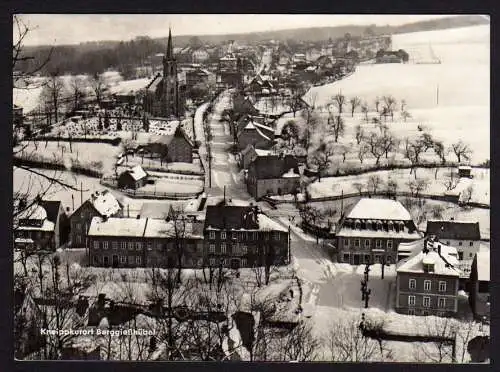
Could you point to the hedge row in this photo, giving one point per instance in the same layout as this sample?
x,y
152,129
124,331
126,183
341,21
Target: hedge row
x,y
56,166
112,141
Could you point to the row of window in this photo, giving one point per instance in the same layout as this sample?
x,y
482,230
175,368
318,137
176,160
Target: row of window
x,y
426,302
32,234
121,259
133,245
427,285
378,243
367,258
243,235
426,313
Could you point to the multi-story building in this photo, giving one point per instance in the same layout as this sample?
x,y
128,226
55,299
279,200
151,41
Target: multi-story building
x,y
146,242
479,296
100,204
466,236
427,282
256,134
33,230
241,236
273,175
372,230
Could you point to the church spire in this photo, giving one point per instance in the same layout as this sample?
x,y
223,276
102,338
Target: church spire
x,y
170,51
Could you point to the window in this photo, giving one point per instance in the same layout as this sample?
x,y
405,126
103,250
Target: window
x,y
212,235
471,244
211,248
223,235
96,259
255,235
138,246
96,245
150,246
123,245
212,262
367,243
78,226
138,260
440,313
413,284
425,313
411,300
356,243
114,245
411,311
123,259
378,243
389,244
244,262
346,257
131,260
346,242
243,249
105,245
377,259
460,255
442,286
427,285
234,235
79,239
442,302
276,236
470,255
427,302
447,242
223,248
460,244
130,245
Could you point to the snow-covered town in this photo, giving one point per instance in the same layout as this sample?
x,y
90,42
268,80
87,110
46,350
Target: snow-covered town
x,y
309,194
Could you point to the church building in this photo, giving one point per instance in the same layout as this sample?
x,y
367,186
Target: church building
x,y
164,95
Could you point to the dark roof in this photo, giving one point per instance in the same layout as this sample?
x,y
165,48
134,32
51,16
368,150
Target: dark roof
x,y
274,166
454,230
231,217
52,209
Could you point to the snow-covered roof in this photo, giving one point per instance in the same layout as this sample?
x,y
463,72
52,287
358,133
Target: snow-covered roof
x,y
105,203
249,125
46,226
123,227
379,209
266,223
158,228
483,265
357,233
24,240
445,263
137,173
290,174
34,212
260,152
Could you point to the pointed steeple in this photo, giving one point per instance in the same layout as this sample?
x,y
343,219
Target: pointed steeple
x,y
170,50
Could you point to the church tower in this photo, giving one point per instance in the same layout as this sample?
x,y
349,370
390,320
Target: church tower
x,y
170,96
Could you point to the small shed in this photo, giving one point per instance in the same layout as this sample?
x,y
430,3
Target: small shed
x,y
465,171
132,178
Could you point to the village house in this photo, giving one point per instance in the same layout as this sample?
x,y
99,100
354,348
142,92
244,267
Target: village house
x,y
132,178
230,72
464,171
100,204
242,236
466,236
256,134
273,175
479,296
246,156
174,148
146,242
35,230
372,231
427,282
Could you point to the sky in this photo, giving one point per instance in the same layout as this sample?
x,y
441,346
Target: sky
x,y
57,29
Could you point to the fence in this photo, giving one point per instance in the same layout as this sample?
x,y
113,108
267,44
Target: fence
x,y
150,194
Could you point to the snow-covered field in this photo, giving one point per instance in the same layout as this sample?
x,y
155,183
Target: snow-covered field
x,y
463,79
480,182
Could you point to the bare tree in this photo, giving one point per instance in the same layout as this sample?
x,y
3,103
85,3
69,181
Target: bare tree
x,y
344,342
323,157
417,186
388,143
53,94
389,105
374,182
445,331
358,186
461,151
362,151
354,102
375,144
392,186
377,103
364,110
359,133
77,84
344,150
339,101
337,126
466,195
405,115
98,86
412,152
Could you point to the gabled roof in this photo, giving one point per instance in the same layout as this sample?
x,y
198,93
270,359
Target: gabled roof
x,y
52,208
230,217
34,212
445,262
103,202
274,166
123,227
137,173
379,209
454,230
160,228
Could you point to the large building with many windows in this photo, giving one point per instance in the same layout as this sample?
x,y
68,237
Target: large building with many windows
x,y
427,282
241,236
146,242
372,230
